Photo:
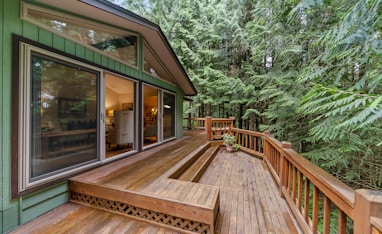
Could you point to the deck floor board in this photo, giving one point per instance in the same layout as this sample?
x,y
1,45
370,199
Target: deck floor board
x,y
249,199
250,202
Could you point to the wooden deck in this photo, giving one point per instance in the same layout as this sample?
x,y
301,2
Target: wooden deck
x,y
152,192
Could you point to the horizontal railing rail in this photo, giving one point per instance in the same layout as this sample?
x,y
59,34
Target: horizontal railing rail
x,y
313,195
198,123
250,142
319,201
217,127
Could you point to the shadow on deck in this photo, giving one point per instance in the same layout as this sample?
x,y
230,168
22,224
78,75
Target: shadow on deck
x,y
185,186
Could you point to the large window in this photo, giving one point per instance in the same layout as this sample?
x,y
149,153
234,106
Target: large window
x,y
118,44
153,66
58,120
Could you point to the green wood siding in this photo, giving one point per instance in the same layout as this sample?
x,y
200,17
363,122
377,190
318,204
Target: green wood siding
x,y
9,11
19,211
35,205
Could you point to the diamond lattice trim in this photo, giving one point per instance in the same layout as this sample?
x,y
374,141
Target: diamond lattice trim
x,y
150,215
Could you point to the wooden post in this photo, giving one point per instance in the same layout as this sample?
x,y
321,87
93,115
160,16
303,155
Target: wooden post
x,y
283,173
232,125
209,128
367,204
266,135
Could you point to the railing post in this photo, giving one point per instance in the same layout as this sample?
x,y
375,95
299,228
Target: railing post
x,y
367,203
283,173
209,128
232,124
266,152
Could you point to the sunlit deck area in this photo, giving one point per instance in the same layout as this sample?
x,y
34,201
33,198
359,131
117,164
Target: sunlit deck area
x,y
184,186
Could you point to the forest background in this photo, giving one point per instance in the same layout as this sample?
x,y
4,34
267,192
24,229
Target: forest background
x,y
308,71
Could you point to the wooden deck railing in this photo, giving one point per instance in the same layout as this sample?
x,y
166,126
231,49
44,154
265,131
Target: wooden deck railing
x,y
320,202
198,123
250,142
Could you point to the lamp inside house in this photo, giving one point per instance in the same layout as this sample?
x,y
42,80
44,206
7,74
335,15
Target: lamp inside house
x,y
110,113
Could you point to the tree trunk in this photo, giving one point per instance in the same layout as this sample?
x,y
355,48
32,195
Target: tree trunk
x,y
241,107
251,126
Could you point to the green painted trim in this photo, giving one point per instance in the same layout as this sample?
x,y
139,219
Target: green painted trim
x,y
1,108
41,196
39,203
140,55
179,112
10,219
10,23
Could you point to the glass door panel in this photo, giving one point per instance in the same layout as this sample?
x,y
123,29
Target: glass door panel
x,y
150,115
168,115
120,115
63,115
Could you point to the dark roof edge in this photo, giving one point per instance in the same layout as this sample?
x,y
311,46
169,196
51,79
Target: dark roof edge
x,y
124,13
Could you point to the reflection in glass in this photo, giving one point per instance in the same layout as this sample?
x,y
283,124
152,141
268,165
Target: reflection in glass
x,y
153,66
120,117
118,45
63,115
168,115
150,114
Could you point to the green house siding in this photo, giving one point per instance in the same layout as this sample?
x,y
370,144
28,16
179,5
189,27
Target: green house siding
x,y
9,12
18,211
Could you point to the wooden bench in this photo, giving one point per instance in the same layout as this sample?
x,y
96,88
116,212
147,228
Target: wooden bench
x,y
180,204
145,187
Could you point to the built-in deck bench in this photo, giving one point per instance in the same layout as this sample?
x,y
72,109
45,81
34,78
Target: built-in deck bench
x,y
179,204
184,206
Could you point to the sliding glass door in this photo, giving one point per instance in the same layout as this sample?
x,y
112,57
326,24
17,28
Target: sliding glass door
x,y
168,110
150,115
120,122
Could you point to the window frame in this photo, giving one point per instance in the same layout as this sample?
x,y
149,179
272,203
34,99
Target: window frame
x,y
22,182
25,7
171,80
175,112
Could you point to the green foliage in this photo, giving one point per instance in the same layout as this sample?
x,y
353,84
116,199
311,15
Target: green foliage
x,y
308,71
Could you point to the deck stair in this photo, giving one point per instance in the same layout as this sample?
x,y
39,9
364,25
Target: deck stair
x,y
166,200
196,170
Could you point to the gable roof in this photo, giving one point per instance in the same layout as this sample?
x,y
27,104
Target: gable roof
x,y
118,16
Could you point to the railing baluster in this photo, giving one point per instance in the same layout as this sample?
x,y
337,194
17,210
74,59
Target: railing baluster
x,y
294,179
327,210
316,193
341,222
306,200
299,193
296,176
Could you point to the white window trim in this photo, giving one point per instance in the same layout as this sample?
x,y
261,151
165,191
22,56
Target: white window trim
x,y
24,144
25,7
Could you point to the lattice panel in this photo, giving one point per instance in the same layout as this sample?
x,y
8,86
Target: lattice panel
x,y
150,215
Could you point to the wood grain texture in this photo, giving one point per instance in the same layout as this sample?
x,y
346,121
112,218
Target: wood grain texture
x,y
237,186
249,198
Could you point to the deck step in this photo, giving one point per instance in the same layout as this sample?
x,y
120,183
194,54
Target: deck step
x,y
183,206
196,170
180,205
187,162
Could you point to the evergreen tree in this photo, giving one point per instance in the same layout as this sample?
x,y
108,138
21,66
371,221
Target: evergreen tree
x,y
308,71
